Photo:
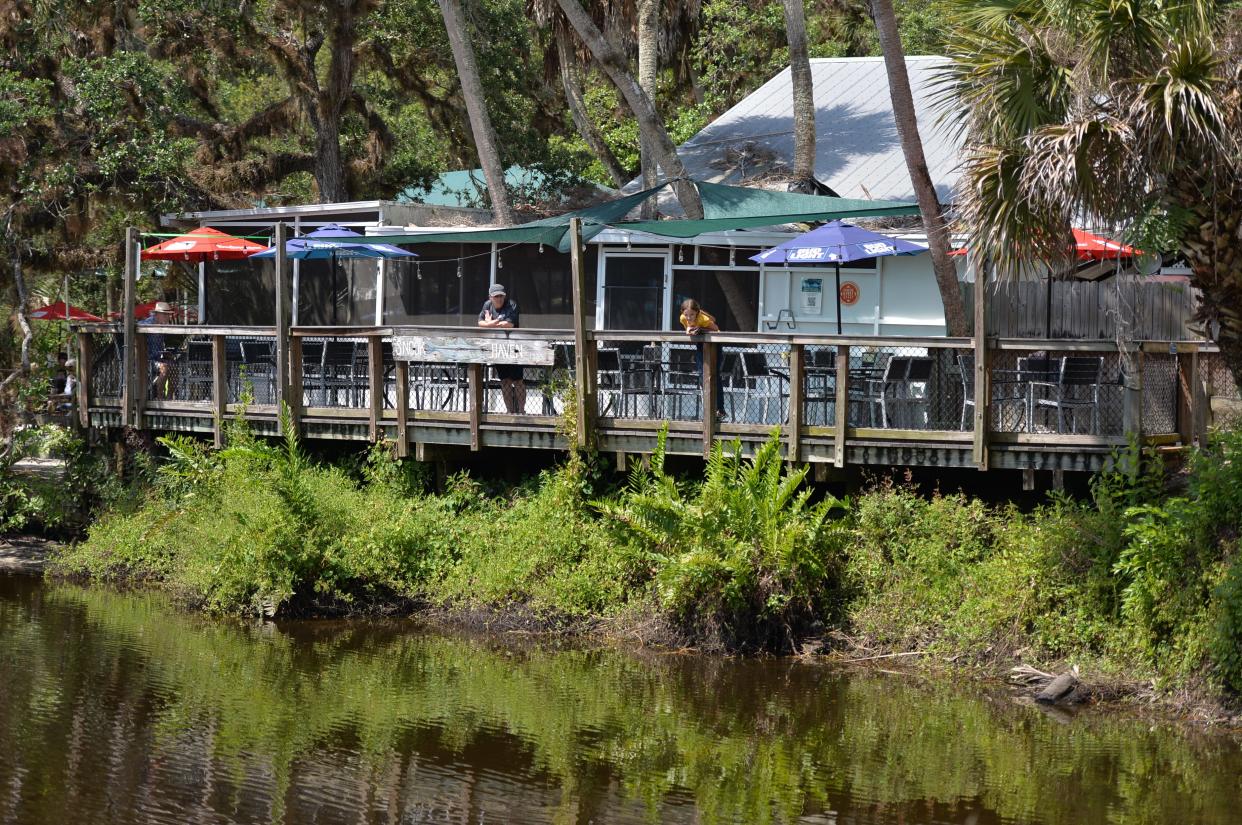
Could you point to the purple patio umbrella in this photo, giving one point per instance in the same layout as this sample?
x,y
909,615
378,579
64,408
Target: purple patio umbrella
x,y
837,242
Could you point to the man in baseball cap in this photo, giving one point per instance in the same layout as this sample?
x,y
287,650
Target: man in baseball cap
x,y
500,312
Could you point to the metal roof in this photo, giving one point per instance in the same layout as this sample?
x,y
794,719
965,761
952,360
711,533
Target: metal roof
x,y
858,150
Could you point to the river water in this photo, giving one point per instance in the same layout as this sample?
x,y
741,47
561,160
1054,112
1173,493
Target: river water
x,y
115,708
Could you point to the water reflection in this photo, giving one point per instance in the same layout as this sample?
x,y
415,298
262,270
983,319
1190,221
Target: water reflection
x,y
114,708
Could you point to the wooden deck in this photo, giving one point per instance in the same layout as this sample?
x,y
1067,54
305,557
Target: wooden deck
x,y
821,393
979,402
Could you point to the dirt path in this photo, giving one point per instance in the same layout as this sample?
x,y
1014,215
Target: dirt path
x,y
24,554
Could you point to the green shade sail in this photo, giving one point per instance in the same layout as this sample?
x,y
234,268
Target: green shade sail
x,y
724,208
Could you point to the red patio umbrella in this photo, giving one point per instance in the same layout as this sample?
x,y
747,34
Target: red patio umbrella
x,y
58,312
1090,247
204,244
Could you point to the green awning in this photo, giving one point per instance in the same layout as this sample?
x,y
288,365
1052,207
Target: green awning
x,y
724,208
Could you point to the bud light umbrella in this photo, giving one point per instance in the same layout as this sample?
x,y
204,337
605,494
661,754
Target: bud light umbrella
x,y
202,244
837,242
332,241
60,312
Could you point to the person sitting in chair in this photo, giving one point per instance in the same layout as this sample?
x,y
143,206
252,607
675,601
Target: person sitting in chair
x,y
501,313
159,359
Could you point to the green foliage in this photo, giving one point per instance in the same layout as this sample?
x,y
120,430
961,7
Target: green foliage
x,y
1132,578
743,556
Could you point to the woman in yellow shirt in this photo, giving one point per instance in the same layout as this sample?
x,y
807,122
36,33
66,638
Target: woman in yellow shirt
x,y
696,322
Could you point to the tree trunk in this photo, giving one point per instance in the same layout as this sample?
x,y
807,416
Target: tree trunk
x,y
1216,266
803,95
649,123
329,166
648,72
19,282
956,322
476,108
571,80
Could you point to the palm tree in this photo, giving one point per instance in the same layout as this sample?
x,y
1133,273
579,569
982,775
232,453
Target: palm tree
x,y
648,31
1121,113
476,109
803,97
934,223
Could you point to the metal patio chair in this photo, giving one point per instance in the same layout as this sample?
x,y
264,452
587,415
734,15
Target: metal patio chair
x,y
1077,389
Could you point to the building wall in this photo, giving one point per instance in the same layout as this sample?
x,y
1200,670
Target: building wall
x,y
892,296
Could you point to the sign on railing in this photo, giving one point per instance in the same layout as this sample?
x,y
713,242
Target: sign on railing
x,y
463,350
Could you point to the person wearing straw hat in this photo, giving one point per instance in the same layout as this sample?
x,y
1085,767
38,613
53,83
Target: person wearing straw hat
x,y
159,358
501,313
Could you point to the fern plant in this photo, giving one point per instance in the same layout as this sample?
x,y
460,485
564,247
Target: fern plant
x,y
744,557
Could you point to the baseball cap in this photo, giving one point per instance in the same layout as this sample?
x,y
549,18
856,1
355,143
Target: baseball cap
x,y
496,289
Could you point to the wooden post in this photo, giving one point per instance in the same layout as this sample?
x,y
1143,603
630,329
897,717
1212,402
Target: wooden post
x,y
796,392
129,329
403,409
1132,415
283,302
711,352
1188,396
219,387
842,405
84,379
144,377
979,444
295,383
375,383
584,348
474,374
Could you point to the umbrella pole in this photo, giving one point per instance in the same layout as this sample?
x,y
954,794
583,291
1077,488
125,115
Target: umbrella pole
x,y
837,269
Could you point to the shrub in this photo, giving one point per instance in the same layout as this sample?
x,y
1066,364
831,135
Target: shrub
x,y
743,558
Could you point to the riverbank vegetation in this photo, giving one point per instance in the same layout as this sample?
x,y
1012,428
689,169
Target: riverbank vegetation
x,y
1141,581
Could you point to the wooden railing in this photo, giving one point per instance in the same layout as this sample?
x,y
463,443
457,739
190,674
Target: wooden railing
x,y
821,392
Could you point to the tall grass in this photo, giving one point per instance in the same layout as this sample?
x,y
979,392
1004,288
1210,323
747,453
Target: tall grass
x,y
1134,579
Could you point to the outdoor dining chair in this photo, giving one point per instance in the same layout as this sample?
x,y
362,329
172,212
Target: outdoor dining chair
x,y
819,384
258,358
966,369
682,384
1076,389
198,369
607,378
763,384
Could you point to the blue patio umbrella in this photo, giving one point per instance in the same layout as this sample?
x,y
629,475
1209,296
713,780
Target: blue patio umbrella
x,y
332,241
837,242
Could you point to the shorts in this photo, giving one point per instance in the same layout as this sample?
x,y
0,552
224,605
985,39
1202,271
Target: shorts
x,y
509,372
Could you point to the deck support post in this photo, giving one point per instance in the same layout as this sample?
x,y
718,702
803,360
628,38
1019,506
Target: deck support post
x,y
1132,413
979,444
842,407
219,388
403,409
375,384
796,391
129,330
711,352
585,379
284,301
474,372
1188,396
295,383
143,373
84,379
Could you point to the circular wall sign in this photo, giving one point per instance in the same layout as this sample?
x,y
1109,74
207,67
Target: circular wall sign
x,y
849,293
